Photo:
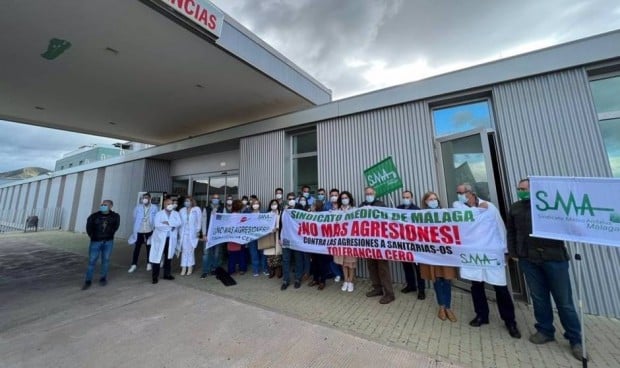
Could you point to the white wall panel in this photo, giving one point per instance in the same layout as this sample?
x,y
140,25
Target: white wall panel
x,y
122,184
86,200
42,195
67,200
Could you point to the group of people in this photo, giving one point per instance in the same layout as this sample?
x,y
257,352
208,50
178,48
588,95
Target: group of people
x,y
167,231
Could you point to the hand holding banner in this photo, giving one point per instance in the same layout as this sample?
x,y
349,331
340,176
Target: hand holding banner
x,y
240,228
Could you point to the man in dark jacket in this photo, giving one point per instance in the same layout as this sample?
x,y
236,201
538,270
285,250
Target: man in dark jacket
x,y
544,263
211,256
379,270
412,270
101,227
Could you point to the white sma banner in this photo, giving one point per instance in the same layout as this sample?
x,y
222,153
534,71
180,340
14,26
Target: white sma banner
x,y
576,209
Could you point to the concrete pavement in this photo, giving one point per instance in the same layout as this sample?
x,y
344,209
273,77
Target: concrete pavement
x,y
48,321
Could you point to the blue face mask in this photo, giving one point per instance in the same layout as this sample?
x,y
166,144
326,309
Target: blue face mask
x,y
104,208
461,197
406,201
370,198
321,197
215,201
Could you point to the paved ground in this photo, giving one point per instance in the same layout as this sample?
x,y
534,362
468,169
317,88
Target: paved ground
x,y
47,321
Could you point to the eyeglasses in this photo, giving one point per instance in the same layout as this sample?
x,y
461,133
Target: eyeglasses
x,y
522,189
461,192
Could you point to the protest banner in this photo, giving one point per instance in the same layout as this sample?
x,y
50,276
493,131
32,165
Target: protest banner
x,y
239,228
383,177
576,209
449,237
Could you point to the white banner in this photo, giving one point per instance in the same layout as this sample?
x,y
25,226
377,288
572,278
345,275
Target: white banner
x,y
576,209
239,228
451,237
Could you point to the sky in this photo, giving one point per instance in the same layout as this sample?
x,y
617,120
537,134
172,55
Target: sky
x,y
357,46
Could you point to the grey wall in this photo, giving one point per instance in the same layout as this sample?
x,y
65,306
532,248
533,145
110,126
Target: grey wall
x,y
205,163
86,200
157,176
262,165
68,196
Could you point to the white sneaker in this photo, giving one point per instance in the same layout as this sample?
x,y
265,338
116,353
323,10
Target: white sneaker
x,y
337,279
132,268
350,287
148,267
345,286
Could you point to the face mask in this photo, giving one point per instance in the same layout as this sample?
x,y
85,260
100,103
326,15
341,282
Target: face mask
x,y
274,207
229,202
406,202
345,201
334,198
255,206
306,194
187,204
523,195
104,208
215,201
174,206
278,196
461,198
321,197
145,201
244,202
370,198
433,203
169,207
302,203
291,203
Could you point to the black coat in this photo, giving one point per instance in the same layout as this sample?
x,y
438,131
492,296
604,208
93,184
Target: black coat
x,y
522,245
102,226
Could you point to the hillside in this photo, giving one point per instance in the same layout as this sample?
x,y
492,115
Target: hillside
x,y
23,173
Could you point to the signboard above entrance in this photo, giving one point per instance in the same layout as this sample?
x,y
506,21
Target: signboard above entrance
x,y
383,176
201,12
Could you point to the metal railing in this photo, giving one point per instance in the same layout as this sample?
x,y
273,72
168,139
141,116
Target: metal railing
x,y
30,220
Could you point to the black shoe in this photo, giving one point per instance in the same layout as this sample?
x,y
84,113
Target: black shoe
x,y
168,277
513,330
204,275
297,284
421,295
103,281
478,321
407,289
374,292
155,280
86,285
213,273
284,286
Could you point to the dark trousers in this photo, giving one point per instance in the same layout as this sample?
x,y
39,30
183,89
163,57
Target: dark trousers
x,y
504,302
237,257
319,267
380,276
142,238
167,262
412,276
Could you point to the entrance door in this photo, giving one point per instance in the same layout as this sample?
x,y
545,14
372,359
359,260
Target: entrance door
x,y
472,157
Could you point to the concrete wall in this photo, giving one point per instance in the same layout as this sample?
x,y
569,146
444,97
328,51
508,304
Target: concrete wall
x,y
205,163
122,184
86,200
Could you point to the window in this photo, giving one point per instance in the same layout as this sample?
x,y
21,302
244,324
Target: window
x,y
606,94
461,118
304,160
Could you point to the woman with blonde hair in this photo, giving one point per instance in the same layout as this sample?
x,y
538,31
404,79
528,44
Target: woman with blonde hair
x,y
191,218
441,276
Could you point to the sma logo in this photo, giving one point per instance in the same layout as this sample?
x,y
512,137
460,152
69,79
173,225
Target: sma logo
x,y
567,205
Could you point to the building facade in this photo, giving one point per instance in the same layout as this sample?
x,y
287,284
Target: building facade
x,y
551,112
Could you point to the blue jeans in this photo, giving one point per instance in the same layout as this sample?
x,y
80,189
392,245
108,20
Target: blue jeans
x,y
298,256
443,291
546,279
95,248
237,257
259,261
306,263
211,258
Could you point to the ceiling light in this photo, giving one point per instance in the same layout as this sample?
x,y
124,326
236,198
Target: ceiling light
x,y
111,50
111,123
39,108
199,86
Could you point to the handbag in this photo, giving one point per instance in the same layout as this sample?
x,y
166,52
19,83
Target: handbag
x,y
266,242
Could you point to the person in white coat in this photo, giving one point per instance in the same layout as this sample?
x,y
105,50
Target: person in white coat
x,y
164,240
191,218
496,277
143,224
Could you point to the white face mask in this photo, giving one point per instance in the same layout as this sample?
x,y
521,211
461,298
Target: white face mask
x,y
279,196
174,206
244,201
302,202
406,201
345,201
462,198
433,203
256,206
274,207
306,194
187,204
291,203
169,207
370,198
229,202
145,201
334,198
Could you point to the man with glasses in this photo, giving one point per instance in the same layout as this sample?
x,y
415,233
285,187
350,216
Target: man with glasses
x,y
544,263
494,276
